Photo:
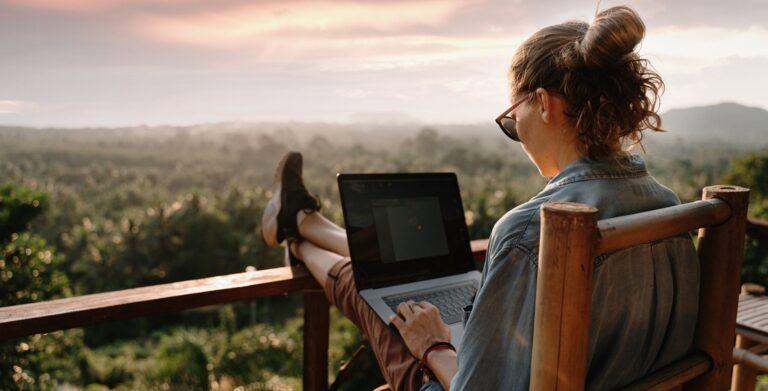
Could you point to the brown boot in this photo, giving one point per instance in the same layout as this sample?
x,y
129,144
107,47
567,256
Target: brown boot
x,y
289,196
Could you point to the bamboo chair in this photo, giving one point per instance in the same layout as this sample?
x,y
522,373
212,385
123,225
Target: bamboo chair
x,y
571,237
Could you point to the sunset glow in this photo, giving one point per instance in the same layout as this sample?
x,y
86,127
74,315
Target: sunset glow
x,y
170,61
285,21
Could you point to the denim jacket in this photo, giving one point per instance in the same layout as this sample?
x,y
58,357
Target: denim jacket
x,y
644,298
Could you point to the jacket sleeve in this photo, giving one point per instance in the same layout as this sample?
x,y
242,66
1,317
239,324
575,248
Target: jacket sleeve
x,y
495,351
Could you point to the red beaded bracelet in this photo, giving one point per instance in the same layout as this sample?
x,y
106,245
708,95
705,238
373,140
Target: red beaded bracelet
x,y
423,368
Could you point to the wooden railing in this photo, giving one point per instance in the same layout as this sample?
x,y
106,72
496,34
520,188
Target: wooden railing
x,y
27,319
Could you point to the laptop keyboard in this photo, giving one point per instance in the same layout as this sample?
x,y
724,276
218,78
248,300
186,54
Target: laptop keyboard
x,y
450,300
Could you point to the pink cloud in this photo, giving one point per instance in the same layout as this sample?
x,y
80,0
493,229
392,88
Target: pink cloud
x,y
11,106
254,23
70,5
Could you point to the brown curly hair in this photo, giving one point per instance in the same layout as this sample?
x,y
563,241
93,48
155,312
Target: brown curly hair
x,y
610,92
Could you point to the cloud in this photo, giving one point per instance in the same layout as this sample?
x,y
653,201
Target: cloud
x,y
680,50
333,35
255,23
731,79
701,13
63,5
11,106
88,6
407,52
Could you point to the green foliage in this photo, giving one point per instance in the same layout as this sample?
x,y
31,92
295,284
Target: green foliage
x,y
42,361
755,266
30,271
751,171
180,362
115,365
18,206
261,357
256,354
486,210
161,243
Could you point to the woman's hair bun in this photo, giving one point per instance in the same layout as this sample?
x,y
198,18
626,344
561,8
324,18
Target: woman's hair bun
x,y
612,35
611,93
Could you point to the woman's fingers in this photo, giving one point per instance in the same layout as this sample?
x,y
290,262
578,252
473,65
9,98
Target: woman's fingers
x,y
427,305
404,309
397,321
419,324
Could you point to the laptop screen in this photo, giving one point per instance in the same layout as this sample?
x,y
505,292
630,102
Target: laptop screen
x,y
404,227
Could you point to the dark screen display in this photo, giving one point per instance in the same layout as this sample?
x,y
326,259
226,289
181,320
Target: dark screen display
x,y
404,227
409,228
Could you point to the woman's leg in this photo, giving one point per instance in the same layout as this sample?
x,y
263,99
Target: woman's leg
x,y
323,247
334,273
318,260
323,232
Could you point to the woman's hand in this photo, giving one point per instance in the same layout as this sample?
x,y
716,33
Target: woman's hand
x,y
420,326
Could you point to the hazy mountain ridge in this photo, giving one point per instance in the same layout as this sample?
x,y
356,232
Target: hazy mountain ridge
x,y
727,122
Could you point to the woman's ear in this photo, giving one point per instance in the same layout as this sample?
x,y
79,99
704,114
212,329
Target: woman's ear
x,y
546,104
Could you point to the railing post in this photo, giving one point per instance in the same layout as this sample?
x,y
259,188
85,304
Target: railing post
x,y
721,252
563,296
316,324
744,376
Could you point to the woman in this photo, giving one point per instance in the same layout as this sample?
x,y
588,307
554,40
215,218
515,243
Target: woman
x,y
580,96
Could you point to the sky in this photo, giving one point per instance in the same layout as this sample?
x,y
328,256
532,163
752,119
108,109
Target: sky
x,y
73,63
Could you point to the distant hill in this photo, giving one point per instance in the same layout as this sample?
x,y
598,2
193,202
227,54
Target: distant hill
x,y
727,122
730,124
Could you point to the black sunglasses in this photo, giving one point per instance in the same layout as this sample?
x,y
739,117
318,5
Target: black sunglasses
x,y
508,124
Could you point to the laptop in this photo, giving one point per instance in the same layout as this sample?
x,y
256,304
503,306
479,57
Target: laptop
x,y
408,240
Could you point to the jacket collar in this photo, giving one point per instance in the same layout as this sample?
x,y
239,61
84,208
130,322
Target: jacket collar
x,y
583,169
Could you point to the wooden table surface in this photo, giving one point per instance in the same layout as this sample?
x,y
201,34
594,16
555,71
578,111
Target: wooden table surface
x,y
752,317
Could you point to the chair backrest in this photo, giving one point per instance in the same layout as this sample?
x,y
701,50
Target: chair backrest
x,y
571,237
